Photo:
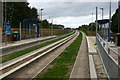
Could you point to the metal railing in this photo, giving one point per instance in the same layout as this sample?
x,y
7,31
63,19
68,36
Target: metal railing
x,y
112,66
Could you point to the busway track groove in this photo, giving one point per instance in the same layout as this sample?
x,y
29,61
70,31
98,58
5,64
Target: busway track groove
x,y
18,64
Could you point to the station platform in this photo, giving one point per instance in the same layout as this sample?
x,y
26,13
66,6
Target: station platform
x,y
88,63
115,48
19,45
95,63
25,41
91,46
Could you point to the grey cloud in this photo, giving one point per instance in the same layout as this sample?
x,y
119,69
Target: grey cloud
x,y
73,9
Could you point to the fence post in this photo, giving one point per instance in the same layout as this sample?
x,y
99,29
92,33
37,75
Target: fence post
x,y
103,44
108,50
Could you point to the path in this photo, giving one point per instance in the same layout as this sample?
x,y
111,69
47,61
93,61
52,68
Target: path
x,y
80,69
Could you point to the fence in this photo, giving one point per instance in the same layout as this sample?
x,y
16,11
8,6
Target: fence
x,y
31,33
111,66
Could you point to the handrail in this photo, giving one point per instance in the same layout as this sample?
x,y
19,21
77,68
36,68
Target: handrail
x,y
108,45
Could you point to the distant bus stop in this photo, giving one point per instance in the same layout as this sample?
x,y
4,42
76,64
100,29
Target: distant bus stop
x,y
29,29
104,29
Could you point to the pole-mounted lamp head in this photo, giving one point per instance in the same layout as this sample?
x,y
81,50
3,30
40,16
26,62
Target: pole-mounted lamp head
x,y
41,9
101,8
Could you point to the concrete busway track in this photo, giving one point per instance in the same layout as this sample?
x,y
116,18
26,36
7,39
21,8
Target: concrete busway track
x,y
18,63
81,67
13,48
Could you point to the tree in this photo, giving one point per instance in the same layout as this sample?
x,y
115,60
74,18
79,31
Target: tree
x,y
114,23
45,24
19,11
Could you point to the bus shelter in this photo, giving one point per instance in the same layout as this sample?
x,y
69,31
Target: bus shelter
x,y
104,29
29,28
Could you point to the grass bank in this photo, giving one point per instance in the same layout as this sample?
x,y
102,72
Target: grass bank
x,y
25,51
62,66
62,34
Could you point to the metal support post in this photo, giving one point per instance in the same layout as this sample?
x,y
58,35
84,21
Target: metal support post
x,y
119,66
119,48
52,28
119,17
104,31
29,30
20,30
109,23
108,50
41,23
96,22
1,22
5,24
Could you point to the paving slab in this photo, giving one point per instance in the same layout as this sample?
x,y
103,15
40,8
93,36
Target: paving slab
x,y
81,66
91,46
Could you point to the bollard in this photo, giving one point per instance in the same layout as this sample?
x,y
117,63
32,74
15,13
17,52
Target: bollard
x,y
103,44
108,50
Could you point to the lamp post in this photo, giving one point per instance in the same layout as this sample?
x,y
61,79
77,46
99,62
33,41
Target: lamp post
x,y
109,23
5,23
51,24
41,21
96,22
119,32
52,27
103,30
92,21
102,12
119,16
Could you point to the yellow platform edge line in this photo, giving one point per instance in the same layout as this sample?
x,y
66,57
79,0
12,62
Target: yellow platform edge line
x,y
91,42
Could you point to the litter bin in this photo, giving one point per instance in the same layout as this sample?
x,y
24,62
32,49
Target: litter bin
x,y
118,39
15,36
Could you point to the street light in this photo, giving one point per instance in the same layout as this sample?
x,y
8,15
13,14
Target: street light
x,y
92,21
109,23
104,25
119,16
102,12
51,25
41,21
96,22
5,21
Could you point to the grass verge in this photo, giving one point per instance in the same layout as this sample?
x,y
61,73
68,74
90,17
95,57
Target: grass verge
x,y
62,34
85,32
62,66
25,51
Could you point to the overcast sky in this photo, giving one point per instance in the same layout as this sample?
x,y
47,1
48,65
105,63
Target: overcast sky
x,y
73,14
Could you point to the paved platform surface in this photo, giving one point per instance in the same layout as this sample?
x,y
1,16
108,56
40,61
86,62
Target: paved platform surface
x,y
81,66
25,41
95,63
91,46
23,44
115,48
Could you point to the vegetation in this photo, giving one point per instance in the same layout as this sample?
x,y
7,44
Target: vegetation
x,y
62,66
19,11
114,23
25,51
47,25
